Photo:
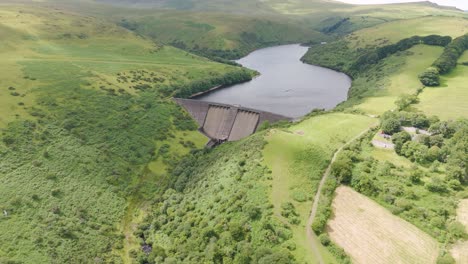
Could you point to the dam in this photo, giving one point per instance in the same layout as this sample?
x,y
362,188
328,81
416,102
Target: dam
x,y
224,122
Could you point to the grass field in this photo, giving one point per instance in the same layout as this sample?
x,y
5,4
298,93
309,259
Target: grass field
x,y
392,32
449,100
399,75
298,158
335,8
371,234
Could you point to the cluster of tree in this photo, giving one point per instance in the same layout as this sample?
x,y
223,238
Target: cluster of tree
x,y
430,77
219,55
332,28
447,142
188,89
391,122
372,57
334,55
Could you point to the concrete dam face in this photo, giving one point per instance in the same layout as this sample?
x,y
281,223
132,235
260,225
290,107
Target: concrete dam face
x,y
221,122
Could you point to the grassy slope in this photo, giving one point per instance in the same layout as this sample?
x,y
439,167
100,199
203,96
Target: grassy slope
x,y
69,175
392,32
221,30
399,75
231,29
395,75
36,37
298,158
273,22
449,100
218,31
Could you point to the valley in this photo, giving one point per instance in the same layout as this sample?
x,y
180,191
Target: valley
x,y
98,163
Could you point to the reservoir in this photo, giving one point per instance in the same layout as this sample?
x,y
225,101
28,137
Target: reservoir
x,y
286,85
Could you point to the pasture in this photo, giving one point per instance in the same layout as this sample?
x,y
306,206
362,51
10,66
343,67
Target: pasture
x,y
449,100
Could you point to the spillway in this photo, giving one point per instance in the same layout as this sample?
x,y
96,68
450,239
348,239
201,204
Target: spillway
x,y
244,125
223,122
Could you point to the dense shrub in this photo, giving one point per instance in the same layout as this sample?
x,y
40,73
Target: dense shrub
x,y
405,100
446,259
187,89
342,169
430,77
391,125
399,139
233,224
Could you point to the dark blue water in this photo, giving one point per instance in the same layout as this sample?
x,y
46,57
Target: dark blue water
x,y
286,85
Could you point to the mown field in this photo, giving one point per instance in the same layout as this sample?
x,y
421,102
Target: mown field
x,y
359,224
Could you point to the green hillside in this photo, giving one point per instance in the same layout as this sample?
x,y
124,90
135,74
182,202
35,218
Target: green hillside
x,y
231,29
85,131
217,34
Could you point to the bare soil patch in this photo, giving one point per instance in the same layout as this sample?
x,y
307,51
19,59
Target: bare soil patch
x,y
371,234
462,213
459,252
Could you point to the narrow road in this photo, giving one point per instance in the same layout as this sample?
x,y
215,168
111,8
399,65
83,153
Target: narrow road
x,y
383,145
311,237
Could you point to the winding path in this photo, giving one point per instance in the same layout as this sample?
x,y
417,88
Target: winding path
x,y
311,237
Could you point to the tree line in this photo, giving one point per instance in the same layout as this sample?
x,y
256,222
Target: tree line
x,y
185,90
374,56
446,62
